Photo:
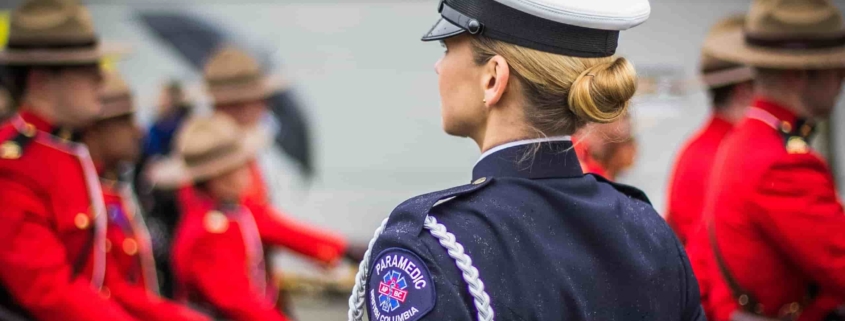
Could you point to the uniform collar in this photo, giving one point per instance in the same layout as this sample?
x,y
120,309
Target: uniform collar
x,y
781,112
39,122
781,118
555,158
43,125
720,123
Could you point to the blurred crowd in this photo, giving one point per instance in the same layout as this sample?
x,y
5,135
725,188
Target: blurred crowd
x,y
104,220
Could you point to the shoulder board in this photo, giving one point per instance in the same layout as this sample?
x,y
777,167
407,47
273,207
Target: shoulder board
x,y
414,211
13,147
628,190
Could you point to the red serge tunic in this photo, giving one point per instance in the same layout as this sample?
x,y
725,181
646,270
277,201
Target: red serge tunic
x,y
776,218
54,225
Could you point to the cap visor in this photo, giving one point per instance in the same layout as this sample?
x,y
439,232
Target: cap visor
x,y
442,29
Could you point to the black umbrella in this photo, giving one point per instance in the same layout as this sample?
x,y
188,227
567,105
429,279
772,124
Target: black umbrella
x,y
195,39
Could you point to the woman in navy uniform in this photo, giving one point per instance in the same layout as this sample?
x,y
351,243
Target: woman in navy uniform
x,y
532,237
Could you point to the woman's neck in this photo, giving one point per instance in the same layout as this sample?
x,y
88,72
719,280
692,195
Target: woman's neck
x,y
502,129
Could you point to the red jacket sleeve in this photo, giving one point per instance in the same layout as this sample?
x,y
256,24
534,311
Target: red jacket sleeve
x,y
279,230
219,273
143,304
35,267
802,215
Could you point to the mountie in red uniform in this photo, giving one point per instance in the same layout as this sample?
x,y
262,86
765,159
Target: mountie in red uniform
x,y
219,258
54,226
687,192
690,177
131,276
774,222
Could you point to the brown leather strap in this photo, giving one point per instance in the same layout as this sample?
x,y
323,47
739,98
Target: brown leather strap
x,y
87,249
746,301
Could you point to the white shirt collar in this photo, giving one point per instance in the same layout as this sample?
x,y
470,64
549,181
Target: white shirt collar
x,y
523,142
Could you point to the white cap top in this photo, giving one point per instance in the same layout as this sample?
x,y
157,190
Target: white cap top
x,y
594,14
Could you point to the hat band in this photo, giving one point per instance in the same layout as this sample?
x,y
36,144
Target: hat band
x,y
235,81
495,20
214,153
18,45
795,43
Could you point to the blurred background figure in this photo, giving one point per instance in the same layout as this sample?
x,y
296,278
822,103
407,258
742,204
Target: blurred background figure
x,y
730,88
7,106
52,261
774,220
173,109
114,142
608,150
222,230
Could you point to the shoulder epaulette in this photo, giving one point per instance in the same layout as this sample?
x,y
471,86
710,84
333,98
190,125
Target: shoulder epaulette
x,y
796,139
415,210
13,147
628,190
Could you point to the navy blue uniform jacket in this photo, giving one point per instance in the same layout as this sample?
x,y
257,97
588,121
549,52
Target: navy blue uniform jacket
x,y
549,242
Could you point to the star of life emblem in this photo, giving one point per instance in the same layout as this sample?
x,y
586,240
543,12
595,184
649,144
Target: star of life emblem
x,y
392,291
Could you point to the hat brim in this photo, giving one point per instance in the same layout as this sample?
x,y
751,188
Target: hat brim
x,y
721,78
172,173
231,94
441,30
60,57
731,46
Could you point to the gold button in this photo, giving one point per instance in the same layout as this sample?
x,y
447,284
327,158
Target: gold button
x,y
743,300
28,130
108,246
794,307
105,293
10,150
479,181
216,222
130,247
786,127
82,221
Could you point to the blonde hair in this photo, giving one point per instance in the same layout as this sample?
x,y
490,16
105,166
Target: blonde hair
x,y
564,93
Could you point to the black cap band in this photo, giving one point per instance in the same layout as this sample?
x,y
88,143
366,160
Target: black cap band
x,y
796,43
495,20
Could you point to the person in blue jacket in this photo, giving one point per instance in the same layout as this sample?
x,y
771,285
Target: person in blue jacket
x,y
531,237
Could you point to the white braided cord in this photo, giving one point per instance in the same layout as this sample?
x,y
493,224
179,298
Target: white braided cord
x,y
455,250
464,262
356,300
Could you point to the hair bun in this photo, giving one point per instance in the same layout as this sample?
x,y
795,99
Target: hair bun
x,y
602,92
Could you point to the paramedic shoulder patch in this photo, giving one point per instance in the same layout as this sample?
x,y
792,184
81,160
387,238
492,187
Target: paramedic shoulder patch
x,y
400,286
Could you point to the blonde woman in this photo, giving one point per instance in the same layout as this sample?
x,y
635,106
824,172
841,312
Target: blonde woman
x,y
531,237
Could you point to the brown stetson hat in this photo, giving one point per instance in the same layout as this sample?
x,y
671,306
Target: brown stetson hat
x,y
115,96
786,34
52,32
716,72
211,146
206,146
233,76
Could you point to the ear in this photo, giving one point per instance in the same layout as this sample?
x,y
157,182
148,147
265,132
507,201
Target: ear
x,y
494,80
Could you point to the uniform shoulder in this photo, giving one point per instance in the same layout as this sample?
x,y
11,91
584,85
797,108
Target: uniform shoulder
x,y
15,139
627,190
410,215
